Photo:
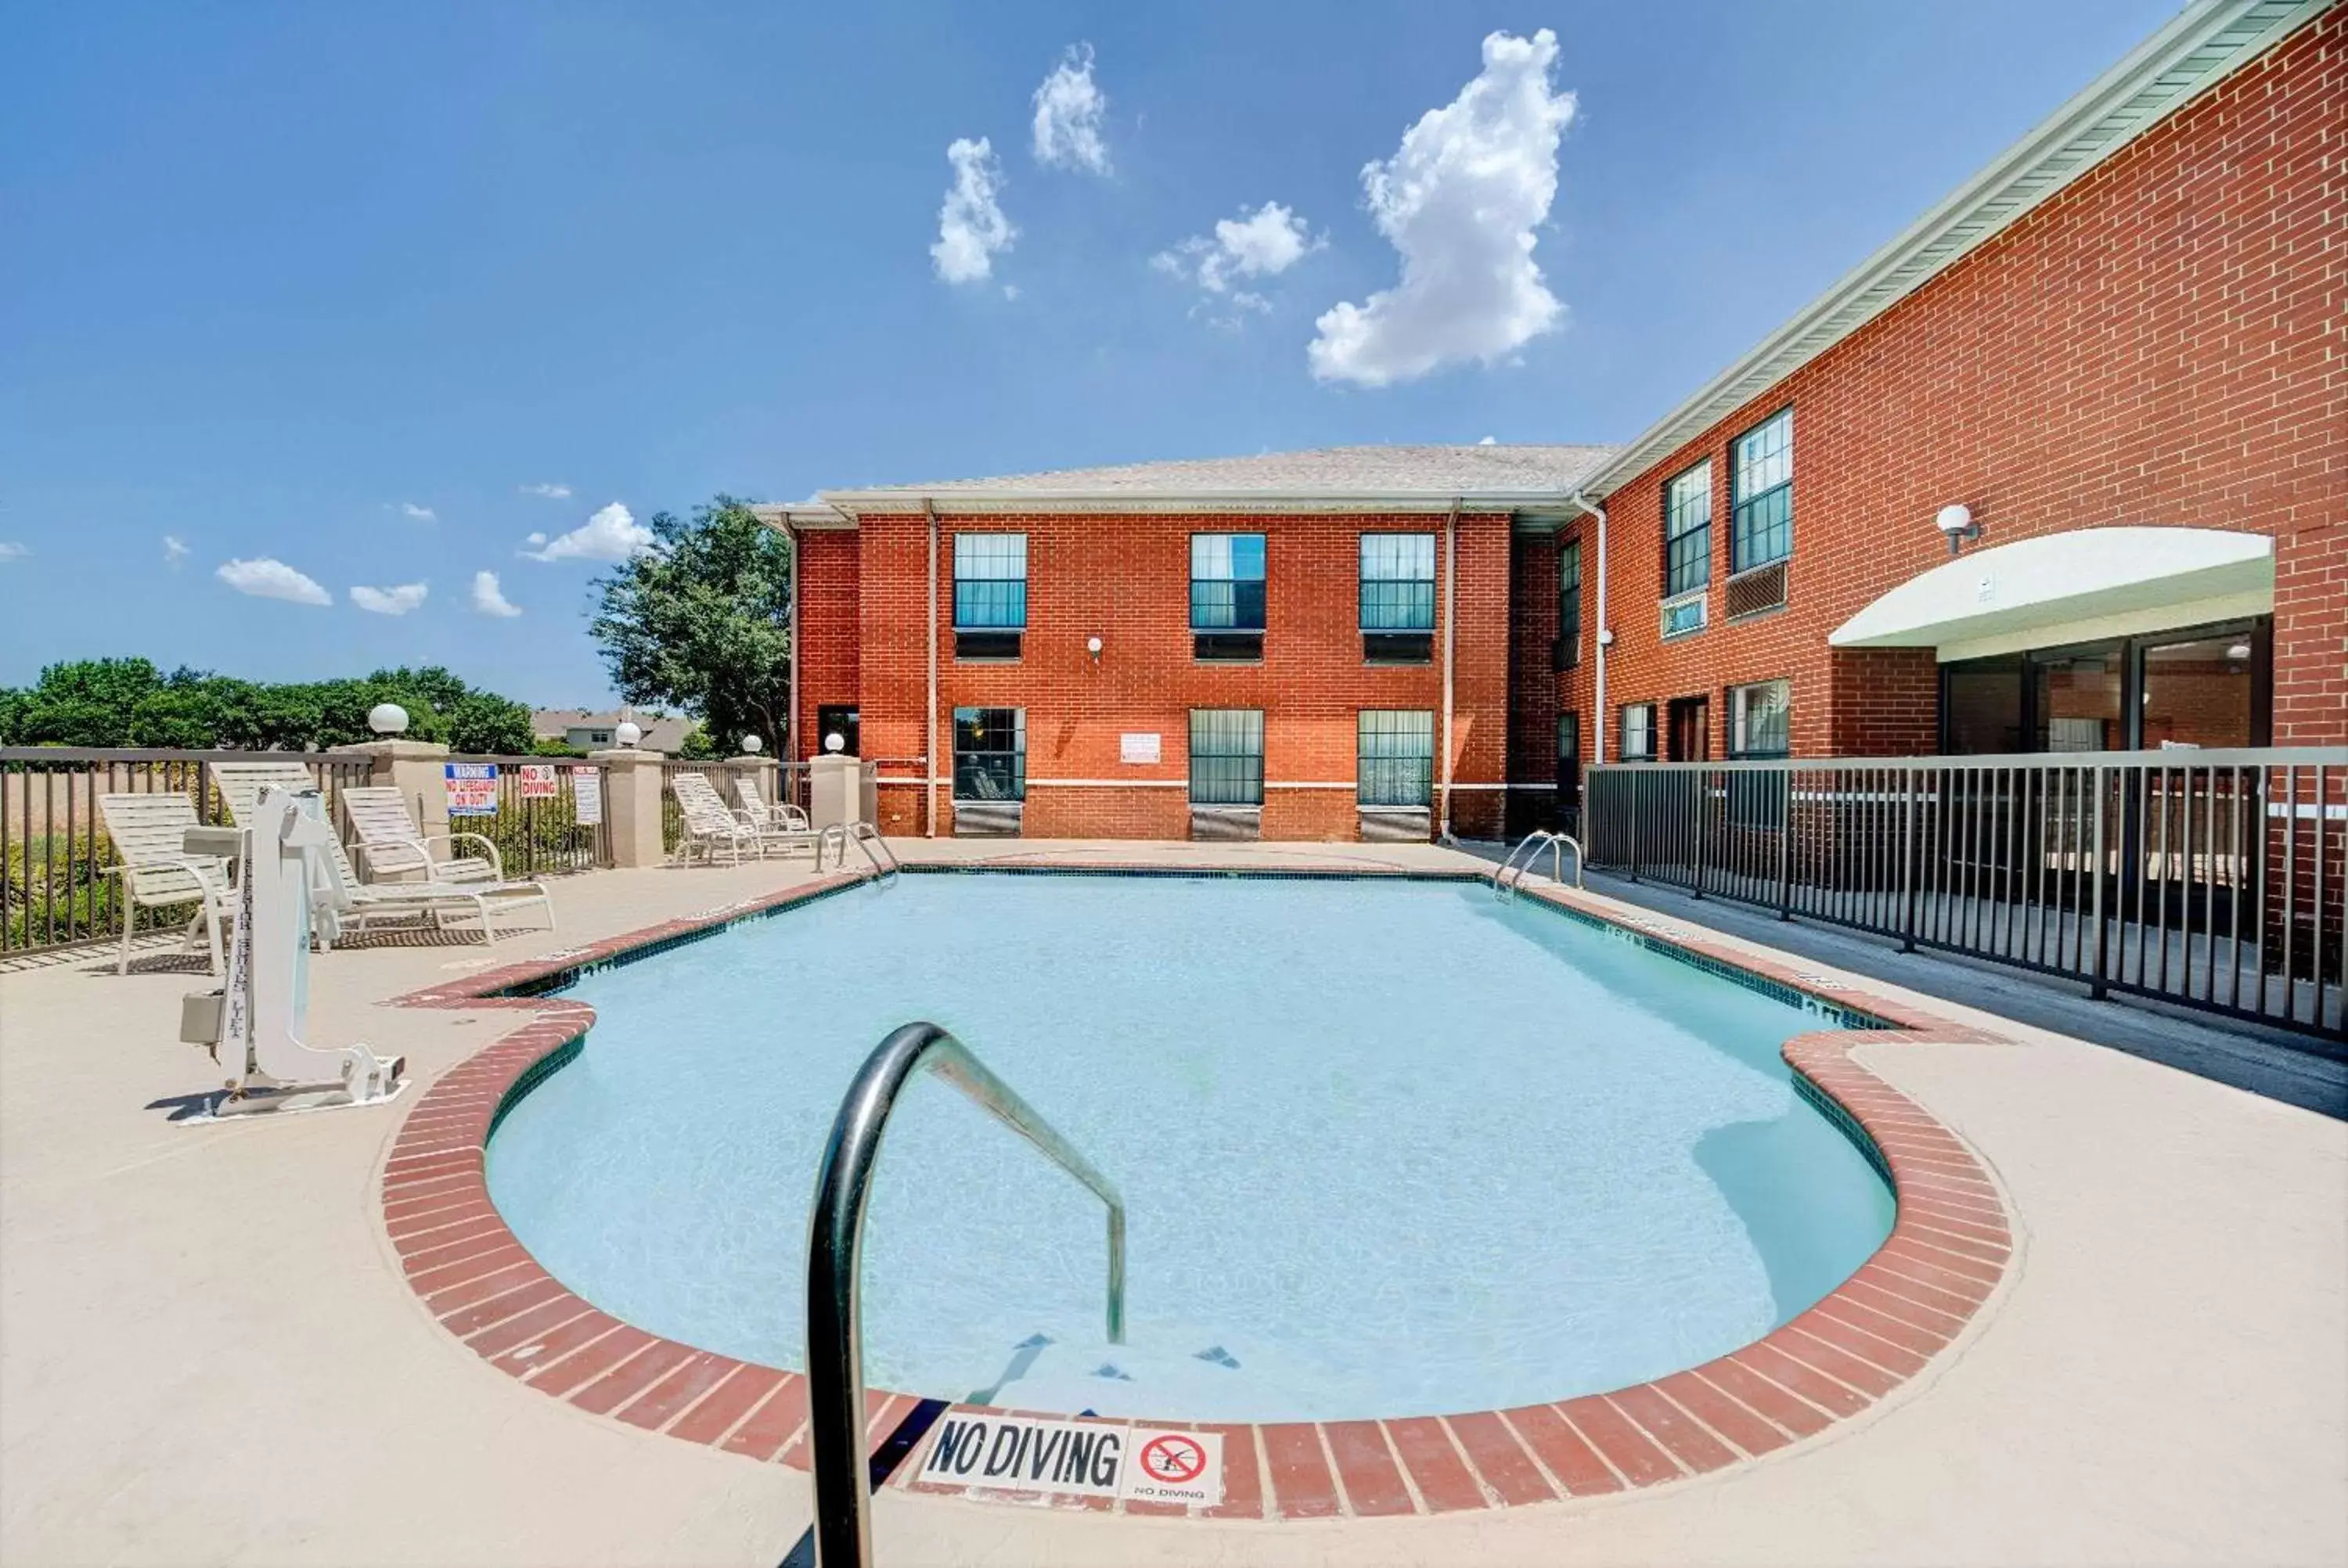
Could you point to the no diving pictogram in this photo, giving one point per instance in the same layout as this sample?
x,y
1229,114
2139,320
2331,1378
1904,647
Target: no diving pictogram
x,y
1173,1459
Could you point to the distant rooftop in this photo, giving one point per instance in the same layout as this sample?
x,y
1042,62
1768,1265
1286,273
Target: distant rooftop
x,y
661,734
1377,478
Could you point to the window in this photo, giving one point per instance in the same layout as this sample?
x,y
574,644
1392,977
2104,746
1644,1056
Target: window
x,y
1568,772
1227,756
840,719
1764,526
1395,759
1226,596
1683,616
1759,717
1687,531
990,595
990,753
1569,606
1639,732
1398,598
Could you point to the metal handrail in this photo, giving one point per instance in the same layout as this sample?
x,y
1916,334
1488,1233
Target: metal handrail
x,y
1556,844
835,1335
866,836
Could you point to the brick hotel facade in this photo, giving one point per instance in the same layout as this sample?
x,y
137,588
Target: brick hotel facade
x,y
2119,350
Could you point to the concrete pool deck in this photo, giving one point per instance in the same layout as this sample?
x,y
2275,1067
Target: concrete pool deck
x,y
208,1350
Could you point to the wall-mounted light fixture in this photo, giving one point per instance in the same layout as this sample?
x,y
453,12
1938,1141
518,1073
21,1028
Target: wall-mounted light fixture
x,y
1093,647
1957,523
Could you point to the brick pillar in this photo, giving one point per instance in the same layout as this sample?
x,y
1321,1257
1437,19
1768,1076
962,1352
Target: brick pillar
x,y
417,769
632,799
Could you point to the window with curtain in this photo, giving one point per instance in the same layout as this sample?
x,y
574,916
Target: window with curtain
x,y
1226,596
1639,732
990,753
1569,606
1764,526
1758,719
1227,756
1687,531
1394,758
990,595
1398,598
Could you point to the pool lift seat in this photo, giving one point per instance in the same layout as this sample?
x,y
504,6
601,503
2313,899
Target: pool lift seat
x,y
260,1014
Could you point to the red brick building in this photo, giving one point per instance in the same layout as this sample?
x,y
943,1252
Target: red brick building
x,y
2110,375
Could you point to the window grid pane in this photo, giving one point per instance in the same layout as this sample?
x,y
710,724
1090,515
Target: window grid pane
x,y
1687,530
1758,719
1639,732
1226,583
1227,756
1397,582
990,753
989,582
1395,754
1568,595
1763,529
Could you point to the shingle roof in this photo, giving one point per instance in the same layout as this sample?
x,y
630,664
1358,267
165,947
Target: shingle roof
x,y
1425,475
660,734
1344,469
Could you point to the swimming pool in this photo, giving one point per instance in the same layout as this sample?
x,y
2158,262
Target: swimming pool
x,y
1389,1147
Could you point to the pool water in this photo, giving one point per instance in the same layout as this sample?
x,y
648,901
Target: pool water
x,y
1388,1147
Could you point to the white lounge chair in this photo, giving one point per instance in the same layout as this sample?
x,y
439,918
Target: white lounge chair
x,y
370,904
156,870
394,848
710,825
781,827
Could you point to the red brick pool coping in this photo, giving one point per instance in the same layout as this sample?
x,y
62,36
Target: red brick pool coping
x,y
1949,1249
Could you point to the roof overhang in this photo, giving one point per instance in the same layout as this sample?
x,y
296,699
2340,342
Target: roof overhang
x,y
2071,587
845,509
2203,44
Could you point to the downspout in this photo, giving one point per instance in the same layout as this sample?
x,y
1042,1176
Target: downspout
x,y
1450,643
929,748
791,720
1605,637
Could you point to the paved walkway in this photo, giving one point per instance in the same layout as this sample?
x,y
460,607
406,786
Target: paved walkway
x,y
207,1352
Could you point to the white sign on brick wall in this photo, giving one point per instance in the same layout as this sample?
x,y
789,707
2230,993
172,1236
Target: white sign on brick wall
x,y
1137,748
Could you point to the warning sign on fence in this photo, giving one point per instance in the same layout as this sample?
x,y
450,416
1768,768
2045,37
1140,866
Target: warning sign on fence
x,y
587,795
538,781
1024,1453
472,789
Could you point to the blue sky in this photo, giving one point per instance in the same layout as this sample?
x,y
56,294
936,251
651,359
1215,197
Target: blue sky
x,y
335,286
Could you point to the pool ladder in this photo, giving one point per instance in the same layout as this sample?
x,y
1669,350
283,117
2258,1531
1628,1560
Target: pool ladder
x,y
1512,875
842,1531
839,835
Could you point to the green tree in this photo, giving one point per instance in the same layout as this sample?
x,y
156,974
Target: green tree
x,y
702,621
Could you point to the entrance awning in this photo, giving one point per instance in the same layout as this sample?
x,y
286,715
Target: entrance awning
x,y
2071,587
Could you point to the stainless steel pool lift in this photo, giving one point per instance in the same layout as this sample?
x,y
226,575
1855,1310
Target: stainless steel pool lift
x,y
835,1338
1511,876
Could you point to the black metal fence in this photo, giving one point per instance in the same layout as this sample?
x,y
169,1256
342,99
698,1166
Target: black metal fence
x,y
553,814
55,883
2211,878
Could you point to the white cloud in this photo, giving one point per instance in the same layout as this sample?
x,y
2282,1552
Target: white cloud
x,y
1259,244
421,514
971,225
11,550
551,492
488,599
175,552
535,539
1460,201
397,601
270,578
1068,110
1487,441
612,534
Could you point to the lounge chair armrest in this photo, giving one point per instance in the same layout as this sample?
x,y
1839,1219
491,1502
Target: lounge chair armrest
x,y
489,850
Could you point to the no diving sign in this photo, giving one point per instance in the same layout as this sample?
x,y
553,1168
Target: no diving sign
x,y
1025,1453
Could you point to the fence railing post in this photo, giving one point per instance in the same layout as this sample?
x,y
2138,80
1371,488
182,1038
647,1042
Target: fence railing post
x,y
1785,845
1908,858
632,804
2095,893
